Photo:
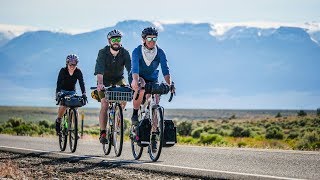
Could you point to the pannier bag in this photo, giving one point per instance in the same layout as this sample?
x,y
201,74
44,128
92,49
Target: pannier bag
x,y
143,133
73,101
170,134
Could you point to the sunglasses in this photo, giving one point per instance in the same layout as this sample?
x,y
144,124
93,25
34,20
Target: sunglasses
x,y
149,39
72,64
116,39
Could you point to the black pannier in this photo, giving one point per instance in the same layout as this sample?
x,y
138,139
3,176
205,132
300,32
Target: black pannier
x,y
143,133
170,134
73,101
156,88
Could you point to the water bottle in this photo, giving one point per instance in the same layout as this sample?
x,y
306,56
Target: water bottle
x,y
111,116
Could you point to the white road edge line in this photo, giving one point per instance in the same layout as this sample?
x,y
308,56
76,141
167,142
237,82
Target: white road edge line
x,y
163,165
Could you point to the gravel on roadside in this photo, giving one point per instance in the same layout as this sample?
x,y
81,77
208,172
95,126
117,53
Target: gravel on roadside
x,y
26,166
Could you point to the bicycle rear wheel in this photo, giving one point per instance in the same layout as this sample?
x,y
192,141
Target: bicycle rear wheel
x,y
136,149
155,147
73,130
118,130
63,132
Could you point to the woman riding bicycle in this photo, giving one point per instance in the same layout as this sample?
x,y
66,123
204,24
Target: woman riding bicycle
x,y
146,59
66,84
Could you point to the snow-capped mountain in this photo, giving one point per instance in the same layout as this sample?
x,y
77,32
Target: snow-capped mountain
x,y
219,65
8,32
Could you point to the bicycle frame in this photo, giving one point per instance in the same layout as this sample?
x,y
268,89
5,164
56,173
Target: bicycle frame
x,y
148,107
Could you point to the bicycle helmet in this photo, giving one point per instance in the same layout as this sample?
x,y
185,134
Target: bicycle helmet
x,y
114,33
149,31
72,58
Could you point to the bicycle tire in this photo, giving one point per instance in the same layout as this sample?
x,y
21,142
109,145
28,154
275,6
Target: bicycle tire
x,y
118,125
135,148
73,130
63,135
107,147
154,156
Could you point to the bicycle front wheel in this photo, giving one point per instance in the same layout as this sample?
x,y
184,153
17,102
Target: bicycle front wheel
x,y
107,147
63,134
155,147
73,130
118,130
136,149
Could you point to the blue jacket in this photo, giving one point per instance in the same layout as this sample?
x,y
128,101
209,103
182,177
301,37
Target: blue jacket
x,y
149,73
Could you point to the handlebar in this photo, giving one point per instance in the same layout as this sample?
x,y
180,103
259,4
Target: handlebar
x,y
63,96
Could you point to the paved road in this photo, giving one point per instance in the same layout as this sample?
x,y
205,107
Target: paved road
x,y
205,162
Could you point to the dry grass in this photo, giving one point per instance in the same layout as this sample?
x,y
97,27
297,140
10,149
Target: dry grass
x,y
10,170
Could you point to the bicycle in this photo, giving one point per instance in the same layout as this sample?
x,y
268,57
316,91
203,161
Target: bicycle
x,y
147,108
115,125
69,122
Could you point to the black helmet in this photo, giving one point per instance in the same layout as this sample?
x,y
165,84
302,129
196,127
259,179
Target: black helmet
x,y
114,33
149,31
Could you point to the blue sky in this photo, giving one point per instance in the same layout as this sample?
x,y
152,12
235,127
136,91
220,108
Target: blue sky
x,y
83,15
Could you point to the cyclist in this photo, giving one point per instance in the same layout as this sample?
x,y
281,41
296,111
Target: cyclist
x,y
66,84
109,70
146,59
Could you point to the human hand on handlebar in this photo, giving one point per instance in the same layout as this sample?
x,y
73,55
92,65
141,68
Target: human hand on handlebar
x,y
100,87
59,95
172,88
135,85
84,97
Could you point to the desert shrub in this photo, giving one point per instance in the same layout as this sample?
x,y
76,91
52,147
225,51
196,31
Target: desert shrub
x,y
92,131
186,139
126,124
316,122
219,131
207,128
312,136
278,115
45,123
1,129
206,138
196,132
239,131
8,130
184,128
15,122
232,117
225,121
293,134
27,129
241,144
318,112
301,113
274,132
310,141
225,126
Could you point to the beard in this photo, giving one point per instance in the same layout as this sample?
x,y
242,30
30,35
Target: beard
x,y
115,48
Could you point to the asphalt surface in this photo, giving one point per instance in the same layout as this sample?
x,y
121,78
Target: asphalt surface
x,y
202,162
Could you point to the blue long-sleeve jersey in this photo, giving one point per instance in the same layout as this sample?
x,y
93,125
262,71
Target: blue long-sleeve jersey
x,y
149,73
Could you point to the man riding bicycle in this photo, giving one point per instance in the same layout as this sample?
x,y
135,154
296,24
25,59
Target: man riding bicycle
x,y
66,84
146,59
109,70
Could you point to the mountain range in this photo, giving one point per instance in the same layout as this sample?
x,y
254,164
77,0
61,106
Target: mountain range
x,y
244,67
